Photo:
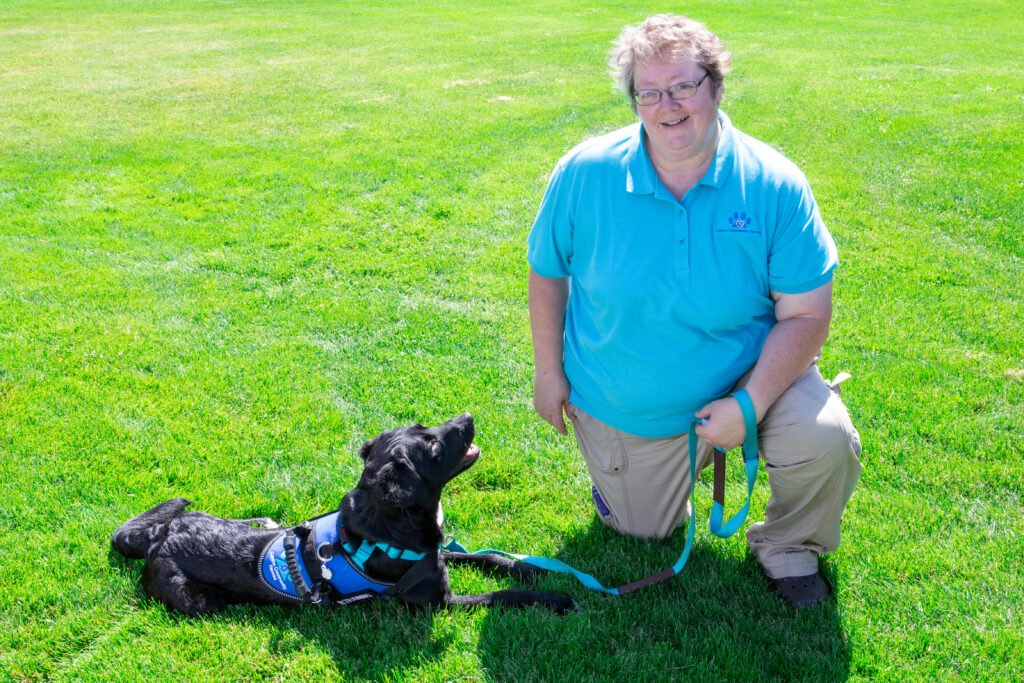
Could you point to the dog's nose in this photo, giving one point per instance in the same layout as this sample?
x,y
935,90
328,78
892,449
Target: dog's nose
x,y
463,421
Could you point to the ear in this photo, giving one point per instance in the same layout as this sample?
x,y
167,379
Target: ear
x,y
398,486
364,452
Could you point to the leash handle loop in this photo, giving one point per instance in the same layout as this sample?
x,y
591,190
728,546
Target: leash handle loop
x,y
750,463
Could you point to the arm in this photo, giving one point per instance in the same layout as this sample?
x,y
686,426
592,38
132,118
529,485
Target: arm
x,y
792,345
548,298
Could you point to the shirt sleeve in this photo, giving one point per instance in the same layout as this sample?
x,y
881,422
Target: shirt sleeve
x,y
549,246
803,255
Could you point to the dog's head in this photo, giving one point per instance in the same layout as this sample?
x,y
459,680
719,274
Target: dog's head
x,y
409,466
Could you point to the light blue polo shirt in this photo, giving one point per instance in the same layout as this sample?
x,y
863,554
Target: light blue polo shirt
x,y
669,301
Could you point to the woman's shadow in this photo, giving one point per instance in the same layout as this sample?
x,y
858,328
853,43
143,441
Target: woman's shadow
x,y
716,620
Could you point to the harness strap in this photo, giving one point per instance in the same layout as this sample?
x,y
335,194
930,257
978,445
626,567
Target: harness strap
x,y
361,554
425,568
715,523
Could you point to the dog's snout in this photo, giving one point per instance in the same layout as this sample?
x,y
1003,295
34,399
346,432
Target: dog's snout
x,y
465,426
462,422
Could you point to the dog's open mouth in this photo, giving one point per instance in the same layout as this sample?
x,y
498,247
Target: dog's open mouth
x,y
472,453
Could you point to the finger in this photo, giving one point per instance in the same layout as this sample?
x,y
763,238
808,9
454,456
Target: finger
x,y
709,441
560,426
554,418
567,407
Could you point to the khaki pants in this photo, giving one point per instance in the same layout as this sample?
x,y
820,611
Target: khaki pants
x,y
810,450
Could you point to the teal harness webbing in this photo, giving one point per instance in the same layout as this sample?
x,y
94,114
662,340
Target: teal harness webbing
x,y
715,523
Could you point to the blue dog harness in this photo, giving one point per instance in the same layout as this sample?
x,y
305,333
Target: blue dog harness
x,y
316,562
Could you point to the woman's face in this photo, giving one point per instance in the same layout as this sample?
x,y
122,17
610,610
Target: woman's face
x,y
678,131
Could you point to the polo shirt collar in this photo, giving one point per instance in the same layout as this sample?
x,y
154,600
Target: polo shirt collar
x,y
721,168
641,177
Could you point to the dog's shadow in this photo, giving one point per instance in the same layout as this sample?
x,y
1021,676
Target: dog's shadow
x,y
375,640
716,620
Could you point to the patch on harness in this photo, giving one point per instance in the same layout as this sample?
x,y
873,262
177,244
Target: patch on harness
x,y
277,567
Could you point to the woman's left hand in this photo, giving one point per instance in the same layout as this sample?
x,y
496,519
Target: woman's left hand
x,y
724,426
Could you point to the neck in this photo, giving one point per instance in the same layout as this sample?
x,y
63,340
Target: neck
x,y
410,529
678,175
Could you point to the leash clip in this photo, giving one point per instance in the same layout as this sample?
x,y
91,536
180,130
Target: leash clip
x,y
324,569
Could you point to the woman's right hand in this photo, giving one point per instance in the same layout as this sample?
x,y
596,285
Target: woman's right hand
x,y
551,398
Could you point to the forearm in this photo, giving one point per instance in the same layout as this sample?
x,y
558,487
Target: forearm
x,y
792,345
547,301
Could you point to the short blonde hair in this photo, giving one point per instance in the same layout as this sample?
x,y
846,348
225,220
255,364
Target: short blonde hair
x,y
667,37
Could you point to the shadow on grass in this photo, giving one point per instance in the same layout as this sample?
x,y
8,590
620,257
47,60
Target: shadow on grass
x,y
715,621
375,640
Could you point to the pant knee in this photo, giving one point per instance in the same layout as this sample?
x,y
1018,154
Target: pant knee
x,y
642,533
651,528
826,436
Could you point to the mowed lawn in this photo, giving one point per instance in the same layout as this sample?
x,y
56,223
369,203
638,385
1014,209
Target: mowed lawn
x,y
239,238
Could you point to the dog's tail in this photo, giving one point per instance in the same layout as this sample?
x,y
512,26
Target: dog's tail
x,y
134,538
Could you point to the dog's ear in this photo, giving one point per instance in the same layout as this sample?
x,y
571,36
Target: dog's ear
x,y
399,486
367,447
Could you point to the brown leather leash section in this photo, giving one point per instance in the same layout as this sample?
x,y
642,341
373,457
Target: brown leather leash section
x,y
718,490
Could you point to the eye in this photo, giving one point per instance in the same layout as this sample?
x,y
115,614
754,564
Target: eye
x,y
647,96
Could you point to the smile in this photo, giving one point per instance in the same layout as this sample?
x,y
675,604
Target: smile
x,y
674,122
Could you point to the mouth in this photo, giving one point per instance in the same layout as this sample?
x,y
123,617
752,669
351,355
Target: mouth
x,y
471,456
675,123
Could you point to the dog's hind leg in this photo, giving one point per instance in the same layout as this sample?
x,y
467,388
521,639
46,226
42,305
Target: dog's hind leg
x,y
133,538
163,581
258,522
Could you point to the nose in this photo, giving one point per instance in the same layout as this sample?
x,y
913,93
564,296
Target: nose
x,y
668,103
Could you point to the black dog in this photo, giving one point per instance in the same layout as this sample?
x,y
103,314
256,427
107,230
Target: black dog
x,y
383,541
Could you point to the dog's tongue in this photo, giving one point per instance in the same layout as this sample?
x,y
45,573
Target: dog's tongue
x,y
473,452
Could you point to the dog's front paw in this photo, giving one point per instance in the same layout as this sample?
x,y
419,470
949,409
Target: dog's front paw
x,y
561,603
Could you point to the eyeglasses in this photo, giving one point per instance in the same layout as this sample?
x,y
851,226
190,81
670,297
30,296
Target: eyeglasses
x,y
682,90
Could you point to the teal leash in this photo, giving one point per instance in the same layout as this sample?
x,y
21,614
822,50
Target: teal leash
x,y
715,523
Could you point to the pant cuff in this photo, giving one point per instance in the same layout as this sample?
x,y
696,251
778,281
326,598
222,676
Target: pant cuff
x,y
790,564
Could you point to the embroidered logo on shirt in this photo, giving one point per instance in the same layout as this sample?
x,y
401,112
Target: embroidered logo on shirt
x,y
739,221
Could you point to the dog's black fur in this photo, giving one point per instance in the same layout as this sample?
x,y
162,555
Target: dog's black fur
x,y
197,563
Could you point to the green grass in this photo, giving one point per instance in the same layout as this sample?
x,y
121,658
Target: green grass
x,y
237,239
